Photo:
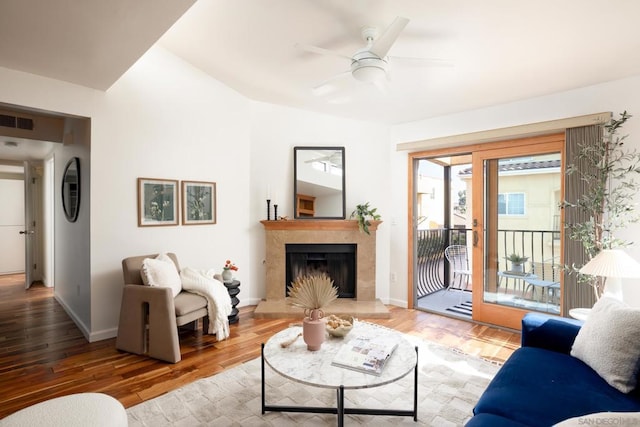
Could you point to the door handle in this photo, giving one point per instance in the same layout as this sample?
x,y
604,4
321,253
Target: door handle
x,y
26,232
475,239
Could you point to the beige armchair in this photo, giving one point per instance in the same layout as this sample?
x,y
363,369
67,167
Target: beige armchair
x,y
150,315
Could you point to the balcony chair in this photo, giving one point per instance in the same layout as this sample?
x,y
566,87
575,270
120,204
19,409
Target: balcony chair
x,y
459,266
150,315
546,276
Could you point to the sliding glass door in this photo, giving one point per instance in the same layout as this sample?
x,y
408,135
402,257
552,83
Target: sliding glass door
x,y
487,233
517,192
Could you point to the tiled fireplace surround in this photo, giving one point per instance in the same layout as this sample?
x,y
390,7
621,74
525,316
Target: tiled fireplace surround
x,y
279,233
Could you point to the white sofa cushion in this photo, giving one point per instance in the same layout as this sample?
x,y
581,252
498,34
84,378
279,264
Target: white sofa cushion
x,y
162,272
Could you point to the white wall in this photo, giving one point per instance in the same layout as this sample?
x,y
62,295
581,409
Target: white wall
x,y
275,131
166,119
72,252
614,96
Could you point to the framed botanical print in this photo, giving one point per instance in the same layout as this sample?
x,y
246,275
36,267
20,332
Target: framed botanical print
x,y
157,202
198,202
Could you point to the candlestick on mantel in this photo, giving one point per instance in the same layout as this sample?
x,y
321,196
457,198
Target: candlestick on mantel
x,y
275,212
268,209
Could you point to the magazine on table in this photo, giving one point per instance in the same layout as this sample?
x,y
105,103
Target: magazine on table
x,y
366,354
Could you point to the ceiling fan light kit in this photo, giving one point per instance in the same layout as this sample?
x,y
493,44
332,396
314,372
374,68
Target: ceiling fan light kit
x,y
368,69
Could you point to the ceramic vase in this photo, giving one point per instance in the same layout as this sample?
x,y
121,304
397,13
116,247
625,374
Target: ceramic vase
x,y
313,330
227,275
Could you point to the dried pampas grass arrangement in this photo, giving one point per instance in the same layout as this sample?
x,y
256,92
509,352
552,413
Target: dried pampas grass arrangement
x,y
312,291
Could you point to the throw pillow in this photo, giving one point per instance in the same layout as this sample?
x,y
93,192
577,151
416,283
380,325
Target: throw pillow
x,y
162,272
609,342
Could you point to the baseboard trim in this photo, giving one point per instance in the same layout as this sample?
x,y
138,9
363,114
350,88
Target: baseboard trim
x,y
399,303
104,334
83,328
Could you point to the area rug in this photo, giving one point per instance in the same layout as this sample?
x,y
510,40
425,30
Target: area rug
x,y
464,308
449,385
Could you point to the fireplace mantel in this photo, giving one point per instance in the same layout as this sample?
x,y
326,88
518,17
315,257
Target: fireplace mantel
x,y
317,224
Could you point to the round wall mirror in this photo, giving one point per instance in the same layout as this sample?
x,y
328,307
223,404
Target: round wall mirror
x,y
71,189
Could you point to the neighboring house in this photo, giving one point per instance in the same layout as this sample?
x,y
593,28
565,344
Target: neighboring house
x,y
529,198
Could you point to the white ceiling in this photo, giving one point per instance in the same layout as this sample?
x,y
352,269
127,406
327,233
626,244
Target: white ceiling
x,y
12,148
501,50
90,42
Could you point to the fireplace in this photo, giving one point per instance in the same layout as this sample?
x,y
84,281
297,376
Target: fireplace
x,y
318,236
338,261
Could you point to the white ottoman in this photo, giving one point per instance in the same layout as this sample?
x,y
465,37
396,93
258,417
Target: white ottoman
x,y
74,410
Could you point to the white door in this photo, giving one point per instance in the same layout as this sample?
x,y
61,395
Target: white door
x,y
29,226
12,222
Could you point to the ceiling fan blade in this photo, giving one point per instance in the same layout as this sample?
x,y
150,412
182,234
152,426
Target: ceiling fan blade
x,y
421,62
383,43
382,86
321,51
330,85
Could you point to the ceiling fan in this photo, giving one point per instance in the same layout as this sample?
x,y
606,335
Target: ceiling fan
x,y
333,158
370,64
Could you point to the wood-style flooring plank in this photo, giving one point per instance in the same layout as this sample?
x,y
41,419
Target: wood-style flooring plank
x,y
44,355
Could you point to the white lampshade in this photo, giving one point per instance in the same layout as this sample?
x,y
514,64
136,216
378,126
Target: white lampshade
x,y
612,263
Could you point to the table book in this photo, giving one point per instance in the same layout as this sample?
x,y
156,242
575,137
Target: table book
x,y
366,354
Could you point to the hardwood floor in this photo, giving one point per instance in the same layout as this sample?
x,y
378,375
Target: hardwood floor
x,y
44,355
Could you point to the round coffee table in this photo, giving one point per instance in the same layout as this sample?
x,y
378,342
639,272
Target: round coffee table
x,y
315,368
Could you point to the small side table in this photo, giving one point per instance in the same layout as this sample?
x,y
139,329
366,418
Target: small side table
x,y
580,313
233,288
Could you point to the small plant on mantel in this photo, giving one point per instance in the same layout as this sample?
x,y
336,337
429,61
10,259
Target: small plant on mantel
x,y
365,213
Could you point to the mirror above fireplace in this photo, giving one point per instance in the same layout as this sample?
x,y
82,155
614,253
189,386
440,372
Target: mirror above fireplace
x,y
319,182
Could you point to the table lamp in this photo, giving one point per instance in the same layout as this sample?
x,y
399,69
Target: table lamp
x,y
613,264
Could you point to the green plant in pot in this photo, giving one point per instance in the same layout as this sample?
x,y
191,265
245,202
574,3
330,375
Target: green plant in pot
x,y
364,214
517,262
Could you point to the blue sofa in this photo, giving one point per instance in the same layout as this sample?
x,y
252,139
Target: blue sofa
x,y
541,384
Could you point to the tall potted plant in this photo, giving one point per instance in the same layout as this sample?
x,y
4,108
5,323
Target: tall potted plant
x,y
611,171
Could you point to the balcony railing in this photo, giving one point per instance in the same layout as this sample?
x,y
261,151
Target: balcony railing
x,y
433,273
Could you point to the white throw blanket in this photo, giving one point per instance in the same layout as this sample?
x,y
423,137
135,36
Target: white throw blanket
x,y
218,300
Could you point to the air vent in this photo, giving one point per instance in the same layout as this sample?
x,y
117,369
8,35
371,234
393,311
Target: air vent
x,y
23,123
7,121
16,122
